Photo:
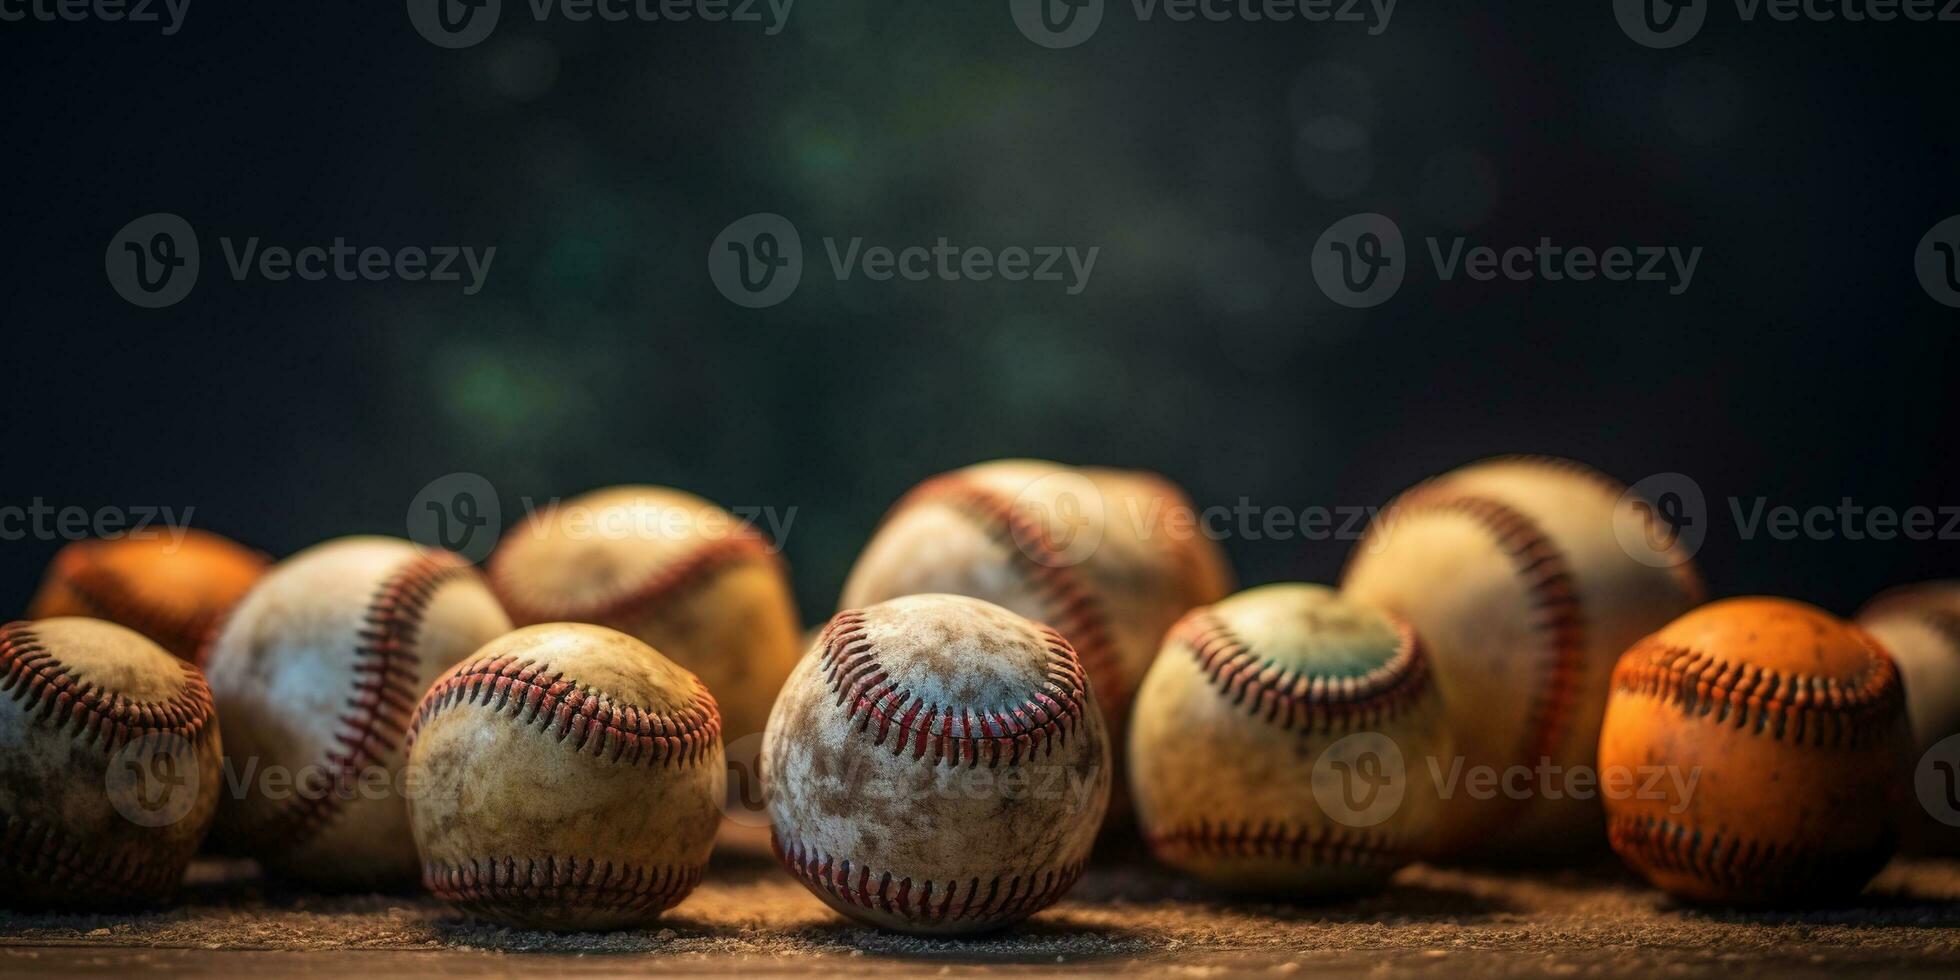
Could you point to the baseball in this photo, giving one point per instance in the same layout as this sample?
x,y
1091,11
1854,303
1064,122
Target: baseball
x,y
1919,625
936,764
566,777
171,589
1784,732
1097,554
1280,741
316,675
671,570
109,759
1513,573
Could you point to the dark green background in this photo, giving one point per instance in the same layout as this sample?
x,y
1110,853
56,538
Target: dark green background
x,y
1804,365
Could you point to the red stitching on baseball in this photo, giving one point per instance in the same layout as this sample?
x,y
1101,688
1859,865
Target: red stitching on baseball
x,y
1004,896
964,736
1557,617
1661,844
587,721
1302,844
1294,699
1682,567
671,579
386,688
1796,708
47,690
37,850
491,884
1072,608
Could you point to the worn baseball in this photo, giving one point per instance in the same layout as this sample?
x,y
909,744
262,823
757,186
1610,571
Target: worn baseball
x,y
1157,519
109,759
671,570
936,764
565,777
1110,558
171,586
1919,625
1514,574
1280,744
1781,731
316,675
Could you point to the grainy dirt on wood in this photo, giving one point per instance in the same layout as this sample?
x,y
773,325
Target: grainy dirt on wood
x,y
1590,921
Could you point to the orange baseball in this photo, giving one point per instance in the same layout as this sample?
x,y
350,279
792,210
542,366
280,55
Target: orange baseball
x,y
170,589
1780,731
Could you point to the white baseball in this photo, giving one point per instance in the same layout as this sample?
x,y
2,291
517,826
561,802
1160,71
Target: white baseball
x,y
1920,626
316,674
1514,573
1099,554
670,569
936,764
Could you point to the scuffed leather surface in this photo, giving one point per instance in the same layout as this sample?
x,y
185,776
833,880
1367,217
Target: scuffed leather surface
x,y
55,773
735,626
1210,769
284,670
1141,575
501,784
1799,798
891,809
1452,581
